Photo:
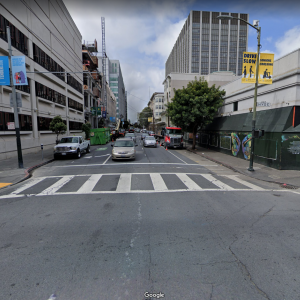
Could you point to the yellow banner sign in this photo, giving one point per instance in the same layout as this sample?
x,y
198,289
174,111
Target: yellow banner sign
x,y
150,119
266,62
265,71
249,67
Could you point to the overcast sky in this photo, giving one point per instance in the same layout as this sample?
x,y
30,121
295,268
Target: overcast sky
x,y
141,34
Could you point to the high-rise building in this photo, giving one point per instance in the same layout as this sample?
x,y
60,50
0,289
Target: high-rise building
x,y
207,44
117,86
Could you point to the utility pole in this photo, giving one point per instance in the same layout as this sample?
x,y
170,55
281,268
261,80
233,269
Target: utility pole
x,y
16,117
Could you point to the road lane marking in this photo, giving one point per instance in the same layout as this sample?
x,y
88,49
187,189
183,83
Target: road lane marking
x,y
243,182
28,185
178,157
190,184
132,163
89,185
158,182
56,186
107,159
217,182
102,155
124,184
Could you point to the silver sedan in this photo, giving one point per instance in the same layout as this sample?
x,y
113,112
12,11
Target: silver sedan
x,y
149,141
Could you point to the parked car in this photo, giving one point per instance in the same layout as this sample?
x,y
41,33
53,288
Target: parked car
x,y
149,141
143,135
130,135
121,132
123,149
71,145
151,133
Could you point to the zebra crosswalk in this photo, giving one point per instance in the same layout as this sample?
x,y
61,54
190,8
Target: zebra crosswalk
x,y
130,183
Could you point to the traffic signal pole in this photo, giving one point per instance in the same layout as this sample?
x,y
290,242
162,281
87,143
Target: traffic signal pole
x,y
16,116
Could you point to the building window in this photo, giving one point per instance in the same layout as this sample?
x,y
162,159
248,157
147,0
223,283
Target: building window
x,y
75,125
74,83
156,114
159,106
49,94
18,39
47,62
156,107
25,121
235,106
75,105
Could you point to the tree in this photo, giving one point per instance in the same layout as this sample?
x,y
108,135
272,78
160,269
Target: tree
x,y
195,106
144,115
126,124
58,126
87,129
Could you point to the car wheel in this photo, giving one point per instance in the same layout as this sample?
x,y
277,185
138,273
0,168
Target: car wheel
x,y
88,150
78,154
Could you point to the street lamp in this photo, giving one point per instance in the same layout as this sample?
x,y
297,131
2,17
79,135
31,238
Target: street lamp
x,y
258,29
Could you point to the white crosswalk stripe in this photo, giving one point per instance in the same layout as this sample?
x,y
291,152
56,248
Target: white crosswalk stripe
x,y
125,185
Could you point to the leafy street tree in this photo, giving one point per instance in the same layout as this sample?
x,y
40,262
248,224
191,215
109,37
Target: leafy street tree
x,y
195,106
87,129
144,115
58,126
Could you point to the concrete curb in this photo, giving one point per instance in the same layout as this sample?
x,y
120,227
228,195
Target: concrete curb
x,y
28,173
283,185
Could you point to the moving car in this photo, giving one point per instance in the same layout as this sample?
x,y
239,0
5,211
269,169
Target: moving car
x,y
143,135
131,129
123,149
149,141
71,145
137,130
130,135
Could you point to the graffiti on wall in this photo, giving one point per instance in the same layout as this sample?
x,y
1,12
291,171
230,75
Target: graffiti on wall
x,y
236,143
246,146
287,137
294,147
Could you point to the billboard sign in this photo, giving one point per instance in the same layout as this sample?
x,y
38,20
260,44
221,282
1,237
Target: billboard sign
x,y
19,70
4,71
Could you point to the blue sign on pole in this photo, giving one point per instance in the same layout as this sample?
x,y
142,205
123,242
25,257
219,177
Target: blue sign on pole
x,y
104,114
4,71
19,70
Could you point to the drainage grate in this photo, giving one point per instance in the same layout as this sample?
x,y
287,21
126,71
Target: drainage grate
x,y
288,186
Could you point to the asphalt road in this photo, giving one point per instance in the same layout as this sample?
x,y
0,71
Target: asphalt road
x,y
167,224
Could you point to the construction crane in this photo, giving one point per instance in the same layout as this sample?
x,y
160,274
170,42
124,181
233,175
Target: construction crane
x,y
104,65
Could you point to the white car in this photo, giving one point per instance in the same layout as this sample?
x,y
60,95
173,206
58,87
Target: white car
x,y
149,141
71,146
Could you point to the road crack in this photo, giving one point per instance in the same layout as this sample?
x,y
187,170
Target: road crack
x,y
246,271
262,216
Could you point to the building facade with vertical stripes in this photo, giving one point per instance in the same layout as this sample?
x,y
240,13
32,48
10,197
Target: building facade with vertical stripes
x,y
45,33
207,44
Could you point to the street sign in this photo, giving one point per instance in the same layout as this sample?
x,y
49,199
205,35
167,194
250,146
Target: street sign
x,y
19,70
93,111
266,62
265,70
150,119
249,65
10,125
19,100
4,71
104,114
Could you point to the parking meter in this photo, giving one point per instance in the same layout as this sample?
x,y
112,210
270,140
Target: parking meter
x,y
42,147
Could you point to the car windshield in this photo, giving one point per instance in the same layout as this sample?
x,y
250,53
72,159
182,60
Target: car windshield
x,y
124,144
150,138
130,134
69,140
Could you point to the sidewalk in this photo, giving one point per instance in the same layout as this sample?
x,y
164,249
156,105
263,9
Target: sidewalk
x,y
285,178
9,168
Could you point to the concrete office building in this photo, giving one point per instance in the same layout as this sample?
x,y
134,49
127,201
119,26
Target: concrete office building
x,y
278,114
46,35
117,86
207,44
